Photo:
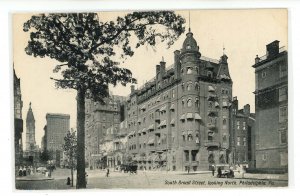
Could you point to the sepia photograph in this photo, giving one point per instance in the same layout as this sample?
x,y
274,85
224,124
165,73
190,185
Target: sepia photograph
x,y
162,99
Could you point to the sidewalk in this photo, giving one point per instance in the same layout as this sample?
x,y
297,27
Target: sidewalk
x,y
34,177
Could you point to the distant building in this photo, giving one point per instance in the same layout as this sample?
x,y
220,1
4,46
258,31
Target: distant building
x,y
99,117
18,121
179,120
242,135
56,129
271,106
32,150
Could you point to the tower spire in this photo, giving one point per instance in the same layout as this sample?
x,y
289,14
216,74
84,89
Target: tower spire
x,y
189,21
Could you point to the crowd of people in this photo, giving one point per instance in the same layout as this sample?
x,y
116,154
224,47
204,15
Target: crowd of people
x,y
26,170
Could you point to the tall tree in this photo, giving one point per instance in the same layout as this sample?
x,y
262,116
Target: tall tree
x,y
70,150
89,51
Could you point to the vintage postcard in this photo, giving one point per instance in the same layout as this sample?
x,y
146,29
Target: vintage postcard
x,y
151,99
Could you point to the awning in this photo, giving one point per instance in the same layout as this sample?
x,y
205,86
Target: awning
x,y
158,99
144,130
172,122
163,109
163,123
144,107
151,140
140,131
172,107
182,117
211,89
163,157
197,116
189,116
217,104
183,133
151,127
225,104
139,120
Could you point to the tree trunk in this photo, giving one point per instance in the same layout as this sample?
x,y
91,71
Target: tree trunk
x,y
72,178
81,182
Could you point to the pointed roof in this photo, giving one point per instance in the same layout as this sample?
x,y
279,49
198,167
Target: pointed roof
x,y
30,116
190,44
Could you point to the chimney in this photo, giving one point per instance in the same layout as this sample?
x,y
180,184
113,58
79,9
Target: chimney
x,y
162,67
247,110
132,89
157,72
177,64
272,49
257,59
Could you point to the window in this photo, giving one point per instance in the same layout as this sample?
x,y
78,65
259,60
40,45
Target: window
x,y
210,104
173,93
238,124
224,121
197,103
196,86
209,74
194,155
183,137
189,86
244,125
182,86
283,70
189,70
190,137
283,114
182,103
283,138
264,74
283,94
186,155
238,139
189,103
224,137
244,141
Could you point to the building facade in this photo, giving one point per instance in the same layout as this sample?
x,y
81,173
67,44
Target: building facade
x,y
18,121
99,117
179,120
31,149
271,106
56,129
242,135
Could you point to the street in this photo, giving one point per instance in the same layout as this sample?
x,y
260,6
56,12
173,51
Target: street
x,y
155,179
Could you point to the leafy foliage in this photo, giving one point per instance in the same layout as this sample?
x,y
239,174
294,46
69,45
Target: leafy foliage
x,y
90,49
70,148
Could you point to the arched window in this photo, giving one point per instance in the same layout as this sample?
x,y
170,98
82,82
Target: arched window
x,y
224,121
183,137
182,102
189,70
196,86
189,103
190,137
189,86
197,103
182,86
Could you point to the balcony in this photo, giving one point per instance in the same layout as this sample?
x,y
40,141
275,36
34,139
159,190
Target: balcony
x,y
211,143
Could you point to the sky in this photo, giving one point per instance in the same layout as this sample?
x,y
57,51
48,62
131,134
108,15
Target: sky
x,y
243,33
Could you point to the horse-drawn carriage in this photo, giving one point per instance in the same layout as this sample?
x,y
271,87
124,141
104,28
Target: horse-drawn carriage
x,y
129,168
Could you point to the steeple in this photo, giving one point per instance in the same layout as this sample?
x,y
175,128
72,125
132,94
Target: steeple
x,y
30,116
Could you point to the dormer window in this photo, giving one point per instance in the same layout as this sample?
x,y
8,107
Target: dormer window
x,y
188,47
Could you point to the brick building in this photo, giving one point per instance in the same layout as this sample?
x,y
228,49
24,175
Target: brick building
x,y
100,117
18,121
242,135
271,106
180,118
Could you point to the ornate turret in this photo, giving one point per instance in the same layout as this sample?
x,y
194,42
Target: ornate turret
x,y
189,43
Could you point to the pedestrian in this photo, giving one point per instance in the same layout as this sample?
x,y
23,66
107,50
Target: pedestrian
x,y
213,170
24,171
86,178
107,172
219,172
20,171
68,181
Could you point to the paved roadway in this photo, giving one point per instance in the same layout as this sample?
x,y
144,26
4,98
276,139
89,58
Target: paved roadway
x,y
148,179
